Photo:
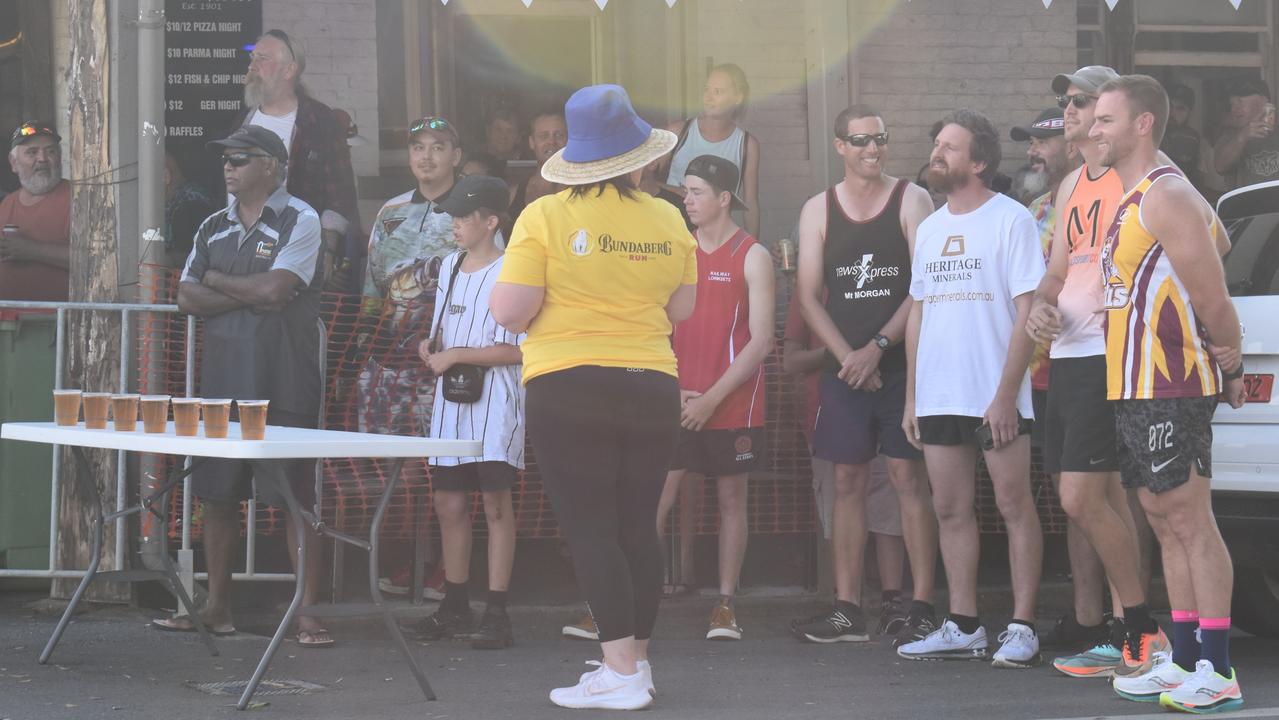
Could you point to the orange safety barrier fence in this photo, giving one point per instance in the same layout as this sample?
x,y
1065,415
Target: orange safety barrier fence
x,y
375,383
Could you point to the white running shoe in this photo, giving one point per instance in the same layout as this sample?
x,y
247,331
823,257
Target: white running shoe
x,y
1164,675
1204,691
604,689
947,642
1019,648
645,667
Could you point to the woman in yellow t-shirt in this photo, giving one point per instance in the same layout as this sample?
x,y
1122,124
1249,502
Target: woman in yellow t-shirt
x,y
597,275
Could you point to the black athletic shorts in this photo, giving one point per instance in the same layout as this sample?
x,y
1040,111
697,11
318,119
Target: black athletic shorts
x,y
486,476
1159,439
1038,402
1079,422
952,429
223,480
720,452
853,426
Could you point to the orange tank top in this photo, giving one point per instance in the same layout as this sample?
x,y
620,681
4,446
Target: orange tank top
x,y
1087,214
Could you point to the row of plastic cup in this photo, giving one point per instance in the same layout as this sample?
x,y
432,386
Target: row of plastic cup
x,y
155,413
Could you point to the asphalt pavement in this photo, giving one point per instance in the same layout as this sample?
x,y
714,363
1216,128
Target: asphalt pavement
x,y
111,665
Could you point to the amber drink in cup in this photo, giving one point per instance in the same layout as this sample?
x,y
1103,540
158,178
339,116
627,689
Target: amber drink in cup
x,y
97,406
155,413
217,413
124,412
186,416
66,407
252,419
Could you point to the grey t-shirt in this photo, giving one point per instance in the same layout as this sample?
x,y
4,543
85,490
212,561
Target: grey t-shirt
x,y
1259,162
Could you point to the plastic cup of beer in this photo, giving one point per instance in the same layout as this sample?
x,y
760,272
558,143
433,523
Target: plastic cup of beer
x,y
186,416
155,413
66,407
97,406
124,412
217,413
252,419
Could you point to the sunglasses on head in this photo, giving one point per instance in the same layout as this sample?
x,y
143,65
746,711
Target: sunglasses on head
x,y
241,159
284,38
432,123
1080,100
864,139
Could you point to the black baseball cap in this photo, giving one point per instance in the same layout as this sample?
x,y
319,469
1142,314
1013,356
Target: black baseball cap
x,y
254,136
474,192
1048,124
722,174
28,130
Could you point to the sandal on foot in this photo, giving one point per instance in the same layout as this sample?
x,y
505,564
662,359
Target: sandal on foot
x,y
183,624
318,638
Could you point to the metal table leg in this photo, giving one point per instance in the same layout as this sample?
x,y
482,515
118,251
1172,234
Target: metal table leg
x,y
374,541
273,471
82,476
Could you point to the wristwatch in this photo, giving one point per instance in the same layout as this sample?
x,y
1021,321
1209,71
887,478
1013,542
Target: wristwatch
x,y
881,341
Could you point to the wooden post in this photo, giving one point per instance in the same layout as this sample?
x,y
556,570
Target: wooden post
x,y
93,339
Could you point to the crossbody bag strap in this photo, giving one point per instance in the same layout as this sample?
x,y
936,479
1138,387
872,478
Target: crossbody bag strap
x,y
448,296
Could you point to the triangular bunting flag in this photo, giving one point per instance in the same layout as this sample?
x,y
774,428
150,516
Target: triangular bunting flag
x,y
527,3
1236,3
1047,3
601,3
670,3
1112,3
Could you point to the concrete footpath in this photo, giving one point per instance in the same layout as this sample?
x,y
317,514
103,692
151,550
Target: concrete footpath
x,y
111,665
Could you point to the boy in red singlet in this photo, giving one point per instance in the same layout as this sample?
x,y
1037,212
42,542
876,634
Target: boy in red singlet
x,y
721,350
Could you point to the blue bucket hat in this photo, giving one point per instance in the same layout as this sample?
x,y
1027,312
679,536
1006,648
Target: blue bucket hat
x,y
606,138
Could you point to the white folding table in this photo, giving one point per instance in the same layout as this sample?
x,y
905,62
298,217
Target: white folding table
x,y
281,443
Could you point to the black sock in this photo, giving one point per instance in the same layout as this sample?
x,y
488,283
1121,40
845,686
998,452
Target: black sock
x,y
1027,623
846,607
888,596
497,600
920,610
1137,619
456,598
968,624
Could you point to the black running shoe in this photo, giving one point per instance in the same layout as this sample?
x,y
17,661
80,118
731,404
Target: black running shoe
x,y
444,625
915,628
796,624
1068,634
835,626
494,632
892,617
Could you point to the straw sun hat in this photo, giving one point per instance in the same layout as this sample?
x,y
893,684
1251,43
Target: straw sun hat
x,y
605,138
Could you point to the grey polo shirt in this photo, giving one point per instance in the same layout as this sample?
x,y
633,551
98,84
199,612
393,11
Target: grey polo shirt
x,y
249,353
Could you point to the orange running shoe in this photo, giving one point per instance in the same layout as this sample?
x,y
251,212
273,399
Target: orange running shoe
x,y
1139,651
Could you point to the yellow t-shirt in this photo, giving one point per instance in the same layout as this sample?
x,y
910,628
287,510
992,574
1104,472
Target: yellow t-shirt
x,y
609,266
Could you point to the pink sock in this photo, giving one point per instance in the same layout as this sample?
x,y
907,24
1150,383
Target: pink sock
x,y
1184,615
1217,623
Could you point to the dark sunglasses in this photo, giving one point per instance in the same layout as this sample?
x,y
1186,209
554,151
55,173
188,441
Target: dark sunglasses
x,y
864,139
241,159
1080,101
434,123
284,38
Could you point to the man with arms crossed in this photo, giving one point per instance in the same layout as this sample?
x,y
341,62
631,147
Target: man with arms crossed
x,y
855,250
1166,300
1080,435
977,261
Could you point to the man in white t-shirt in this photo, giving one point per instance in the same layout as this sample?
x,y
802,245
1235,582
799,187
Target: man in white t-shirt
x,y
464,333
319,170
976,266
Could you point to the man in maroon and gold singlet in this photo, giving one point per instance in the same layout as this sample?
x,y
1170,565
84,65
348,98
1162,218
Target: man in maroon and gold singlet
x,y
721,351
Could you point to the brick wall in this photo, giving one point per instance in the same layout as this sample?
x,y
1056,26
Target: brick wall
x,y
341,60
767,39
997,56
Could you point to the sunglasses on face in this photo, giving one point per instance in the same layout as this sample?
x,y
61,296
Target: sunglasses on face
x,y
1080,101
864,139
240,159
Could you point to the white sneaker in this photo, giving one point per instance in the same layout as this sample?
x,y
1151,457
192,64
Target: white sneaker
x,y
603,689
1019,648
1204,691
1164,675
947,642
645,667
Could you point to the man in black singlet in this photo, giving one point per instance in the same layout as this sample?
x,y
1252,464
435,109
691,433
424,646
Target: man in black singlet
x,y
855,245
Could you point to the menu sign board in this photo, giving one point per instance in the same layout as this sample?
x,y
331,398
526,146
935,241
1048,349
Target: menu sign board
x,y
206,56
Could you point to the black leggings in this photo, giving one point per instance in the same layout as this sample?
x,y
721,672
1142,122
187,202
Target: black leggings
x,y
603,439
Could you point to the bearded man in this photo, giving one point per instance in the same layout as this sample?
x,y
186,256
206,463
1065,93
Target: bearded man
x,y
35,243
